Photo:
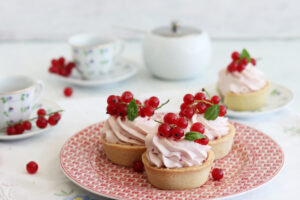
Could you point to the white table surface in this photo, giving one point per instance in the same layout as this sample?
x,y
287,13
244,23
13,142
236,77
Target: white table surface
x,y
280,62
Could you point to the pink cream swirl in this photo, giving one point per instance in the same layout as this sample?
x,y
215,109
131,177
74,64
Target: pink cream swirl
x,y
214,129
249,80
170,153
119,131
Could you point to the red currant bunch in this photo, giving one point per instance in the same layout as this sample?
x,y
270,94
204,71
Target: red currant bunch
x,y
118,106
240,61
41,122
198,104
173,126
60,67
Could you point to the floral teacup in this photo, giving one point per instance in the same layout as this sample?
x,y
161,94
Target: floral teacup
x,y
18,95
94,55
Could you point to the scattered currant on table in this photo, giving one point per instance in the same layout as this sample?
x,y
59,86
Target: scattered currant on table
x,y
138,166
41,122
240,61
217,174
60,67
127,106
68,91
32,167
202,103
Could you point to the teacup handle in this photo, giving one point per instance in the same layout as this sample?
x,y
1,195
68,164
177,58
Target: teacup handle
x,y
40,87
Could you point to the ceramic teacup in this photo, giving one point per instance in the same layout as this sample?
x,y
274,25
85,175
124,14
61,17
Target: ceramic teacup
x,y
94,55
18,95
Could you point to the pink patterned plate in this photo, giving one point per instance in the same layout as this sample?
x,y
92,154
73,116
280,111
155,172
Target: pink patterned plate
x,y
254,160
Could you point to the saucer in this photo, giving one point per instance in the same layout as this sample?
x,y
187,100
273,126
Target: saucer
x,y
49,106
123,69
279,98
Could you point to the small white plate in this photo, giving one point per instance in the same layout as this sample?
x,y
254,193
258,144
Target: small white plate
x,y
49,106
123,69
279,97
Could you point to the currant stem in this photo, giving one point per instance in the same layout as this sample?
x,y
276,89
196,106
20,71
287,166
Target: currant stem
x,y
48,114
163,104
158,121
204,101
206,92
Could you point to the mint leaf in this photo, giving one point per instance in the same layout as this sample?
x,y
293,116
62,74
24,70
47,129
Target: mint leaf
x,y
212,112
132,110
193,135
245,54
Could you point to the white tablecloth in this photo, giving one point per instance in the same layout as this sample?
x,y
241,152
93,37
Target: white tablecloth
x,y
87,106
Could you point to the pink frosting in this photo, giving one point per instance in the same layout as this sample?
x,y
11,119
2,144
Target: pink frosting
x,y
214,129
249,80
166,152
134,132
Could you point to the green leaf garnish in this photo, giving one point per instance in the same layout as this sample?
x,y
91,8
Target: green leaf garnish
x,y
132,110
212,112
245,54
193,135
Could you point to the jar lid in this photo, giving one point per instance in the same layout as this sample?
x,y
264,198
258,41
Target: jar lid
x,y
176,31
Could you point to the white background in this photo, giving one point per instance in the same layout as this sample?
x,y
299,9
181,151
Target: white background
x,y
57,19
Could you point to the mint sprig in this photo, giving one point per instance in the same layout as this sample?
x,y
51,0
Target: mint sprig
x,y
212,112
245,54
132,110
193,135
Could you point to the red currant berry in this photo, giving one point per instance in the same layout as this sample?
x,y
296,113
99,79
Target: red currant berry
x,y
32,167
177,133
188,98
146,102
189,112
198,127
215,99
181,114
127,96
203,141
112,99
53,62
41,122
26,125
170,118
68,91
182,122
138,102
223,110
154,102
112,109
201,107
122,109
183,106
52,120
241,67
41,112
217,174
148,111
232,67
164,130
141,112
199,96
138,166
253,61
235,55
19,128
244,61
57,116
61,61
70,66
11,130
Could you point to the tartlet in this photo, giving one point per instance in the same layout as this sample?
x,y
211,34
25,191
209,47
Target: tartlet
x,y
222,146
122,154
248,101
178,178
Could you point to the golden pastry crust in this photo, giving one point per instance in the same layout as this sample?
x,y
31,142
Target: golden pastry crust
x,y
122,154
248,101
179,178
222,146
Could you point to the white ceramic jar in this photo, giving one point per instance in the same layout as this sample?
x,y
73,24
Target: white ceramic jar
x,y
176,52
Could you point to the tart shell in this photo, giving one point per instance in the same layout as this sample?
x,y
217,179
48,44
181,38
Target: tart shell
x,y
122,154
178,178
